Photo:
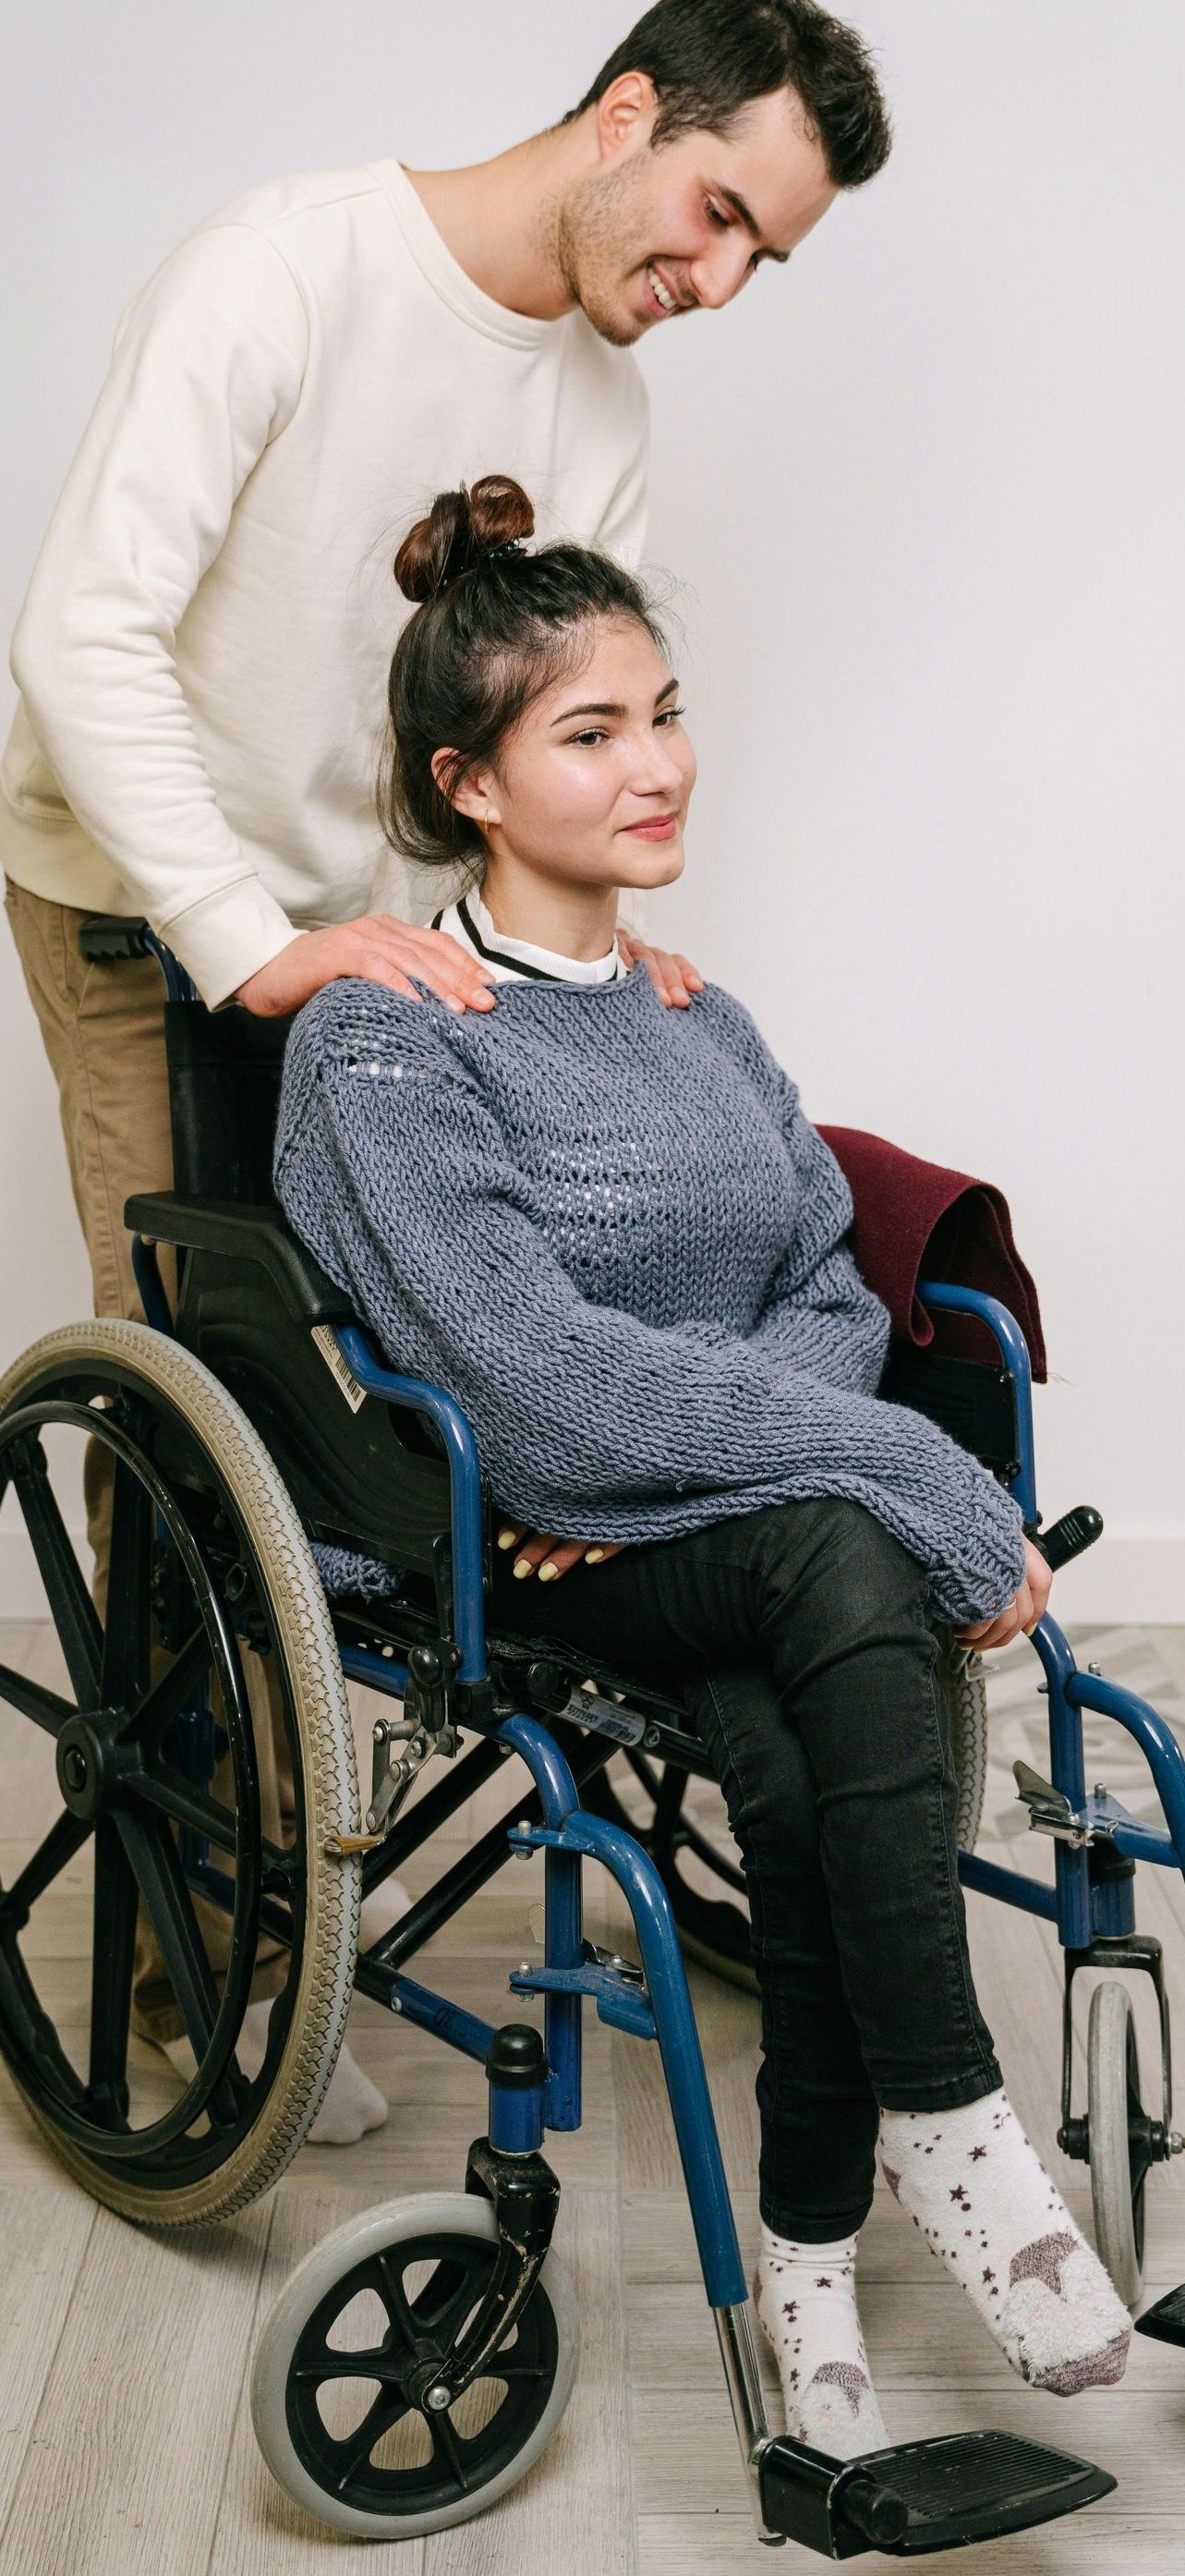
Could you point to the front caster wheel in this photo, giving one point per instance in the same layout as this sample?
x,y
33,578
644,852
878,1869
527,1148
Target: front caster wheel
x,y
1116,2128
366,2307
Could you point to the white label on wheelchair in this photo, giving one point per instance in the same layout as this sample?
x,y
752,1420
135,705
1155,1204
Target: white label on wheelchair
x,y
331,1352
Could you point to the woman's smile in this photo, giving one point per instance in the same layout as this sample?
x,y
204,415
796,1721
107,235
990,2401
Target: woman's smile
x,y
662,828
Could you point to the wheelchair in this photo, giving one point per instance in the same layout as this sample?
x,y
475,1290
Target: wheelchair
x,y
242,1428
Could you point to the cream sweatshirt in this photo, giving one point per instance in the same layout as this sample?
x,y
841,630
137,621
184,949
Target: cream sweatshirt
x,y
202,656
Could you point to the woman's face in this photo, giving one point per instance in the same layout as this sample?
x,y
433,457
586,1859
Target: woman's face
x,y
593,786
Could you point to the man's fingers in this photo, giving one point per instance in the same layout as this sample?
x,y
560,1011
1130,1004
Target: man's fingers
x,y
463,983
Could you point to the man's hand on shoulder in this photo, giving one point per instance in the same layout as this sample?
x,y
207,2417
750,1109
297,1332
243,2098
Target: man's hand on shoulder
x,y
674,978
379,948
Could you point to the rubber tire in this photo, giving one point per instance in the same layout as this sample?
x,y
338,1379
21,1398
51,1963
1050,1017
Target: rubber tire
x,y
1110,2154
424,2213
286,1567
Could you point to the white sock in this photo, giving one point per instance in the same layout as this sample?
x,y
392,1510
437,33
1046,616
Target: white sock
x,y
806,2302
976,2186
351,2106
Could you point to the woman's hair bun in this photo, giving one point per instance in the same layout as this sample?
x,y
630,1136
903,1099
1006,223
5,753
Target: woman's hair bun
x,y
459,529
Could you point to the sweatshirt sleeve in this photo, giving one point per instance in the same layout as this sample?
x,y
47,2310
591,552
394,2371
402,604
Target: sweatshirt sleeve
x,y
391,1165
207,369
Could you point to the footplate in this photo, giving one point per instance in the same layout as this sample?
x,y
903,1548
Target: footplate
x,y
921,2496
1166,2321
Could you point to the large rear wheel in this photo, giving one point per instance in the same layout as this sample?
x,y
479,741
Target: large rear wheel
x,y
132,1747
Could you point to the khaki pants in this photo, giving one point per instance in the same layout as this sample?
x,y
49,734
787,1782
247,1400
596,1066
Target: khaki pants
x,y
103,1028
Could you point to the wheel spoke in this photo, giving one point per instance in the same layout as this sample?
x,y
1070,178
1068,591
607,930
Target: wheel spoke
x,y
172,1796
59,1846
389,2284
129,1604
31,1699
447,2447
329,2364
155,1859
111,1974
172,1693
71,1607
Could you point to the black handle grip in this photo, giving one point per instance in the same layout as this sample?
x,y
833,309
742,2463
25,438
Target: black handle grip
x,y
108,936
1068,1537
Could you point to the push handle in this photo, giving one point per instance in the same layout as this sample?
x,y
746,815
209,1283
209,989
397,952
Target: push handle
x,y
1075,1531
109,936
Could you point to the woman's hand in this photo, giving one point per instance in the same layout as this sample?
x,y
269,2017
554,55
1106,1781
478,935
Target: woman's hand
x,y
674,978
1022,1612
552,1556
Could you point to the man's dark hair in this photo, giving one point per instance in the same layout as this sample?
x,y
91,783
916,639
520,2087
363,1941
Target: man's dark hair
x,y
709,58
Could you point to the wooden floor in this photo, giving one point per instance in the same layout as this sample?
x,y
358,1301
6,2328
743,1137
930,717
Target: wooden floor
x,y
125,2439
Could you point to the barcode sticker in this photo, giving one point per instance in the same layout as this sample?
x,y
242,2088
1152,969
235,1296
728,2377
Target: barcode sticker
x,y
334,1357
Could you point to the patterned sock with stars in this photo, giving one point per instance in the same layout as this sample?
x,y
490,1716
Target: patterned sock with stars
x,y
806,2303
976,2186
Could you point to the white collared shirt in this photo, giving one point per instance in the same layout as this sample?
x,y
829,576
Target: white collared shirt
x,y
515,961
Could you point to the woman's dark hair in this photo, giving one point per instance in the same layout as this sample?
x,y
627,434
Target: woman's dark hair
x,y
709,58
492,632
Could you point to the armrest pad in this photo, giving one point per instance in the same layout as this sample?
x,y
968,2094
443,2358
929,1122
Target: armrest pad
x,y
250,1233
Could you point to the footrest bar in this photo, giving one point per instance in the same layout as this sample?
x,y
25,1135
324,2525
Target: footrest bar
x,y
921,2496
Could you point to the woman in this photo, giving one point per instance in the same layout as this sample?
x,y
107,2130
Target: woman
x,y
608,1230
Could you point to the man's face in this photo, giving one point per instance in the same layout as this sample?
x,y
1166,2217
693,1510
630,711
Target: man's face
x,y
648,225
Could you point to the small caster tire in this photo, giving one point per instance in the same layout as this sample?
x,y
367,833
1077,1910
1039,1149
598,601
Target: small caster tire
x,y
1113,2103
397,2471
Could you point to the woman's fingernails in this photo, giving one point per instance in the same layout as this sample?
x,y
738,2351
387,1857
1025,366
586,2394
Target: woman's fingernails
x,y
548,1572
522,1568
506,1538
593,1555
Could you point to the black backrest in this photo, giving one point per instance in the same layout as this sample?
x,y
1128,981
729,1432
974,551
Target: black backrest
x,y
224,1093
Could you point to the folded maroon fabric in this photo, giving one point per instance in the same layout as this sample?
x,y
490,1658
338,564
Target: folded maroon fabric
x,y
917,1220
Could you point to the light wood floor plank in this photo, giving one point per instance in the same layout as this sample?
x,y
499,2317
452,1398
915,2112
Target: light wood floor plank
x,y
44,2231
720,2544
124,2473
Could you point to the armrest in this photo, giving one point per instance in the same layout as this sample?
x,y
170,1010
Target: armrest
x,y
249,1234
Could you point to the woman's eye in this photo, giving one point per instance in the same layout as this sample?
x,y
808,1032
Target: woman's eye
x,y
716,215
597,733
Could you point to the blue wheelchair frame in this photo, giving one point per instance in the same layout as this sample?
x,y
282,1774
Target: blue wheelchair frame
x,y
652,2001
656,2004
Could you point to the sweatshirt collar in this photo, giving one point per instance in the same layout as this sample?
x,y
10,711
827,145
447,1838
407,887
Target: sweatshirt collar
x,y
452,282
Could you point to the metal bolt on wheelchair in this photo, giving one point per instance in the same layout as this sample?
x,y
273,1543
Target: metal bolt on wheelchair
x,y
419,2360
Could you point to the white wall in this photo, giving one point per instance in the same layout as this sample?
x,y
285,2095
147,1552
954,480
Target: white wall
x,y
923,494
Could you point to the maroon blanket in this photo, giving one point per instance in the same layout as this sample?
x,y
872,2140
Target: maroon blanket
x,y
917,1220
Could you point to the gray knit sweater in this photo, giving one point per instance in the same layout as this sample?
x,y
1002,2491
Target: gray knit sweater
x,y
608,1230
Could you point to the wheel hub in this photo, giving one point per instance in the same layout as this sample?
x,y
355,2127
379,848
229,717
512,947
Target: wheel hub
x,y
83,1769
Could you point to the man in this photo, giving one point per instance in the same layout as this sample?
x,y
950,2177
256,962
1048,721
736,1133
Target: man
x,y
203,651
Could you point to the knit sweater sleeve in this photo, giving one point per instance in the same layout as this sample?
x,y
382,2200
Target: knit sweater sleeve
x,y
589,1421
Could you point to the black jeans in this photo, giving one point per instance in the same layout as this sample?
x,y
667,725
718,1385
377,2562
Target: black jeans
x,y
798,1639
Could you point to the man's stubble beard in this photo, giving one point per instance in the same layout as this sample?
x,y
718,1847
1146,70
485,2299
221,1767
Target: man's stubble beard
x,y
597,225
